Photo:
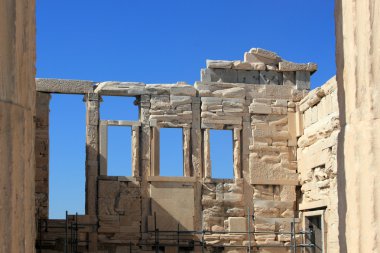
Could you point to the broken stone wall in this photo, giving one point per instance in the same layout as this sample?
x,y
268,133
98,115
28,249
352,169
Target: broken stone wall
x,y
119,210
256,99
17,98
316,156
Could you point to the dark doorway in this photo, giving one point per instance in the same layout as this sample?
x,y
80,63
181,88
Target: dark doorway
x,y
314,224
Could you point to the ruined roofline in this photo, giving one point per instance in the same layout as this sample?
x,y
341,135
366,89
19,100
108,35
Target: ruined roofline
x,y
260,67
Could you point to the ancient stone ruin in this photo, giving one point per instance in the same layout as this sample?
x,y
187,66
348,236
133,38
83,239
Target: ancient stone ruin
x,y
283,197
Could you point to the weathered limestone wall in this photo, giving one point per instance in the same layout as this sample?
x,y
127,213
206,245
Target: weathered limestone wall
x,y
119,210
316,157
358,77
17,96
256,99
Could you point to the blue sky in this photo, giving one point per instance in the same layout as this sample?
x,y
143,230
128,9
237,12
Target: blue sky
x,y
158,42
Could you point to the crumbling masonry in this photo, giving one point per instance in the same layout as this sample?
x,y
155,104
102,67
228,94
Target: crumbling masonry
x,y
284,163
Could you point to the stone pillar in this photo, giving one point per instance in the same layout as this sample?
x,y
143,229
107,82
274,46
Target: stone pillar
x,y
155,152
92,150
145,150
206,153
17,101
92,160
196,138
237,152
135,151
41,149
186,152
103,148
358,77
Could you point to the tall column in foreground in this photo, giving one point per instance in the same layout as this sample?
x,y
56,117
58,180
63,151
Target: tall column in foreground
x,y
358,76
17,97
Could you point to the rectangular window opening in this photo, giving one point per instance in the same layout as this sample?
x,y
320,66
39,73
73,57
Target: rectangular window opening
x,y
171,152
119,160
119,108
67,138
221,154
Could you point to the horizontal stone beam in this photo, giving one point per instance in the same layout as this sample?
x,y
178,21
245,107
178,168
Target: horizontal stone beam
x,y
275,181
120,123
64,86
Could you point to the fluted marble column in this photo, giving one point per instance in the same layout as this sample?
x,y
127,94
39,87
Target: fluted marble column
x,y
358,76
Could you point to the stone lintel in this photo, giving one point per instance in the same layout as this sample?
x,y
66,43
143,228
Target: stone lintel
x,y
120,123
313,205
275,181
171,179
64,86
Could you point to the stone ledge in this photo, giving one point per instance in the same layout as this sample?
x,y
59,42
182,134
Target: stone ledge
x,y
313,205
64,86
171,179
275,182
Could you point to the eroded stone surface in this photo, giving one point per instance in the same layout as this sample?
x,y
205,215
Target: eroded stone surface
x,y
263,101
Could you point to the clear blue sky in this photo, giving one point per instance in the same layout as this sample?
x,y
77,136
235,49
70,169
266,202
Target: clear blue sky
x,y
159,42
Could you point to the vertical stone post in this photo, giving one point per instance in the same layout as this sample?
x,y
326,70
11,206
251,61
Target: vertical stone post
x,y
358,77
237,152
155,152
186,152
92,160
245,142
103,148
196,138
41,149
206,154
135,151
144,162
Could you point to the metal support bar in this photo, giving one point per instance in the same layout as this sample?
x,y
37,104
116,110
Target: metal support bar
x,y
66,230
249,230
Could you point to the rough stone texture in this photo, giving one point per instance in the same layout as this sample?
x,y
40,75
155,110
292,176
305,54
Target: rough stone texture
x,y
316,156
41,149
261,104
64,86
358,75
17,98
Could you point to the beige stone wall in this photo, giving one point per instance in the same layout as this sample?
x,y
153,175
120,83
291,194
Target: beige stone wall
x,y
316,157
358,76
256,99
119,210
17,96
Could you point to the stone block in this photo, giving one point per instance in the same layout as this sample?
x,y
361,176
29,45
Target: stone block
x,y
270,77
64,86
235,92
289,78
265,227
237,224
291,66
260,109
248,76
220,75
219,64
265,53
108,189
242,65
303,80
235,212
